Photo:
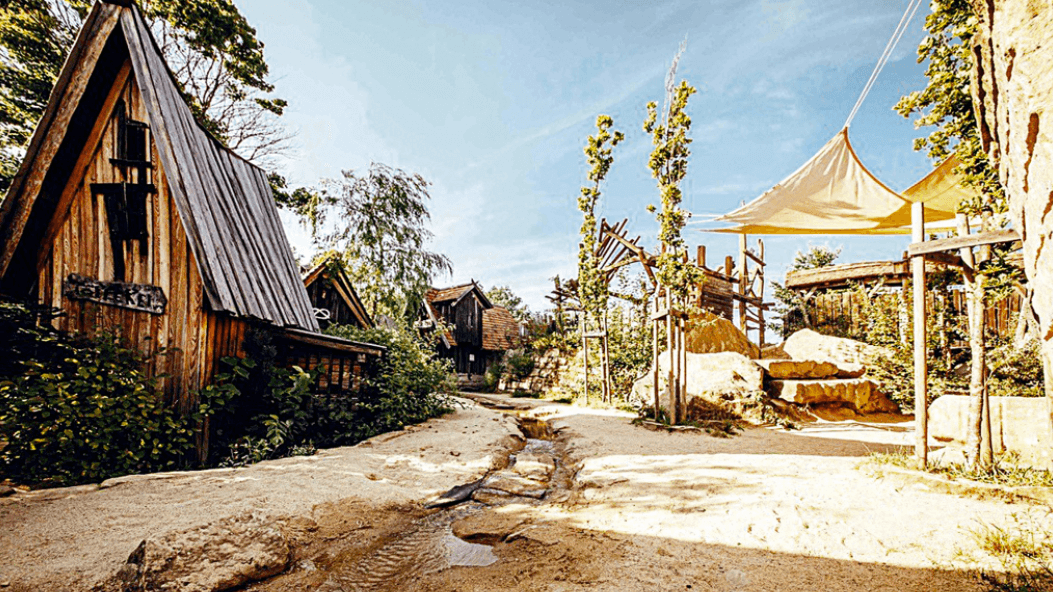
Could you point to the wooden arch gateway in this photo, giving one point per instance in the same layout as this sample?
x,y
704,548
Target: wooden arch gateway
x,y
729,287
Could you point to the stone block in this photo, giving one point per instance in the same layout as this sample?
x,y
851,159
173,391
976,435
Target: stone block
x,y
859,394
783,369
1018,424
850,356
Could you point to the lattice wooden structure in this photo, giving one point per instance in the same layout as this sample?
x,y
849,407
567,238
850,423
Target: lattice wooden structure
x,y
724,289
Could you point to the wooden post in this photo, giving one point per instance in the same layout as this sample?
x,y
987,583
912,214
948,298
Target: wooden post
x,y
683,367
671,377
744,277
585,355
654,357
760,309
606,363
921,371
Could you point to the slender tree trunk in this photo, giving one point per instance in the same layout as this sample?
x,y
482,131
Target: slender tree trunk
x,y
977,365
974,306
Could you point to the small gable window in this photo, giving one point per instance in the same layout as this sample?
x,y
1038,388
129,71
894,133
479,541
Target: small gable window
x,y
126,202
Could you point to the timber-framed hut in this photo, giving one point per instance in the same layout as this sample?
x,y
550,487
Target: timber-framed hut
x,y
131,218
477,332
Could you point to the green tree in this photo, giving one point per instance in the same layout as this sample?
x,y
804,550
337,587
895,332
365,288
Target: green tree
x,y
379,222
945,104
592,289
668,165
213,51
792,306
504,297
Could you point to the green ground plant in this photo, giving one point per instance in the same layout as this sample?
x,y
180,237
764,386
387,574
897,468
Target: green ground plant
x,y
1004,471
1023,547
77,410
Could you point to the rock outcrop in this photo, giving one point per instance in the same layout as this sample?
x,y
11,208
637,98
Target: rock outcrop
x,y
712,334
860,394
719,375
1018,424
851,357
783,369
219,556
1013,99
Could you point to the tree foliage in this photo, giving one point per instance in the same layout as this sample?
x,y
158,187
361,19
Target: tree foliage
x,y
504,297
668,164
378,220
791,306
946,104
214,53
592,290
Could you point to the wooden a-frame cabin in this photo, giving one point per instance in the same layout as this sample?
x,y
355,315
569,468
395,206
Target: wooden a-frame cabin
x,y
131,218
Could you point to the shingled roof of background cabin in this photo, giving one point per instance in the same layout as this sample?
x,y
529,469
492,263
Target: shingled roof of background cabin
x,y
500,329
456,293
224,202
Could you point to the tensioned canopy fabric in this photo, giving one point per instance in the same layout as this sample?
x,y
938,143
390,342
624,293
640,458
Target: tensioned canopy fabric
x,y
833,193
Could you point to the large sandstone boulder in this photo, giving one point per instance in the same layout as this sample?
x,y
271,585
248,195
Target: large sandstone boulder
x,y
220,556
850,356
1013,98
1018,424
711,334
712,376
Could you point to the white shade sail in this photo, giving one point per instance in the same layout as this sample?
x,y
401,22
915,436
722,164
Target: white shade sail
x,y
833,193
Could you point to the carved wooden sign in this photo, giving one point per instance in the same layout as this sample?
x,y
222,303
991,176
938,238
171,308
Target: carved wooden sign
x,y
142,297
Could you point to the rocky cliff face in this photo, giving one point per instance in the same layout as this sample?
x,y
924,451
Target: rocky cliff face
x,y
1013,95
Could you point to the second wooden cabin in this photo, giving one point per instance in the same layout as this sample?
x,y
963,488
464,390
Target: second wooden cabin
x,y
477,332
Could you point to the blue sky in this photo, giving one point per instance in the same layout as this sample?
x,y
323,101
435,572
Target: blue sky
x,y
492,102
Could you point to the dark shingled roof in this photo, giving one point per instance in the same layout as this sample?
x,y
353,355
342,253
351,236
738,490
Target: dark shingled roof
x,y
500,329
224,202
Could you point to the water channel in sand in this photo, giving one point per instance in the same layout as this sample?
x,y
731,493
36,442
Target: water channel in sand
x,y
429,545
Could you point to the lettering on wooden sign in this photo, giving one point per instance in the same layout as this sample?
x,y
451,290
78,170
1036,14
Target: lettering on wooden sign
x,y
141,297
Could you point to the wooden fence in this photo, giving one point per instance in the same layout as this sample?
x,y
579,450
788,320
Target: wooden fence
x,y
843,312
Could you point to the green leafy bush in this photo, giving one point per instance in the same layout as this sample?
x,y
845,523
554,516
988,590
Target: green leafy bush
x,y
408,387
270,412
76,410
520,365
1016,371
492,378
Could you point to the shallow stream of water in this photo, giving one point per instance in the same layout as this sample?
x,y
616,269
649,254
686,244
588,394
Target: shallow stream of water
x,y
429,545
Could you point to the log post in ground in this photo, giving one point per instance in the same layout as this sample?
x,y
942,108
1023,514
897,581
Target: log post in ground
x,y
921,370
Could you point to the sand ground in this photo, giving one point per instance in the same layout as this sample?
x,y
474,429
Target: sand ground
x,y
628,509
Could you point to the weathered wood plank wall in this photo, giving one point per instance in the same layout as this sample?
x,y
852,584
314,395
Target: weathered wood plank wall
x,y
193,338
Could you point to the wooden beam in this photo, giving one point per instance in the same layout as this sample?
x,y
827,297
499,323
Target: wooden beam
x,y
919,247
87,154
949,259
921,370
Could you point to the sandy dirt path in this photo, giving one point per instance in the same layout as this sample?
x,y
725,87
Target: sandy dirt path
x,y
765,510
70,538
627,509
